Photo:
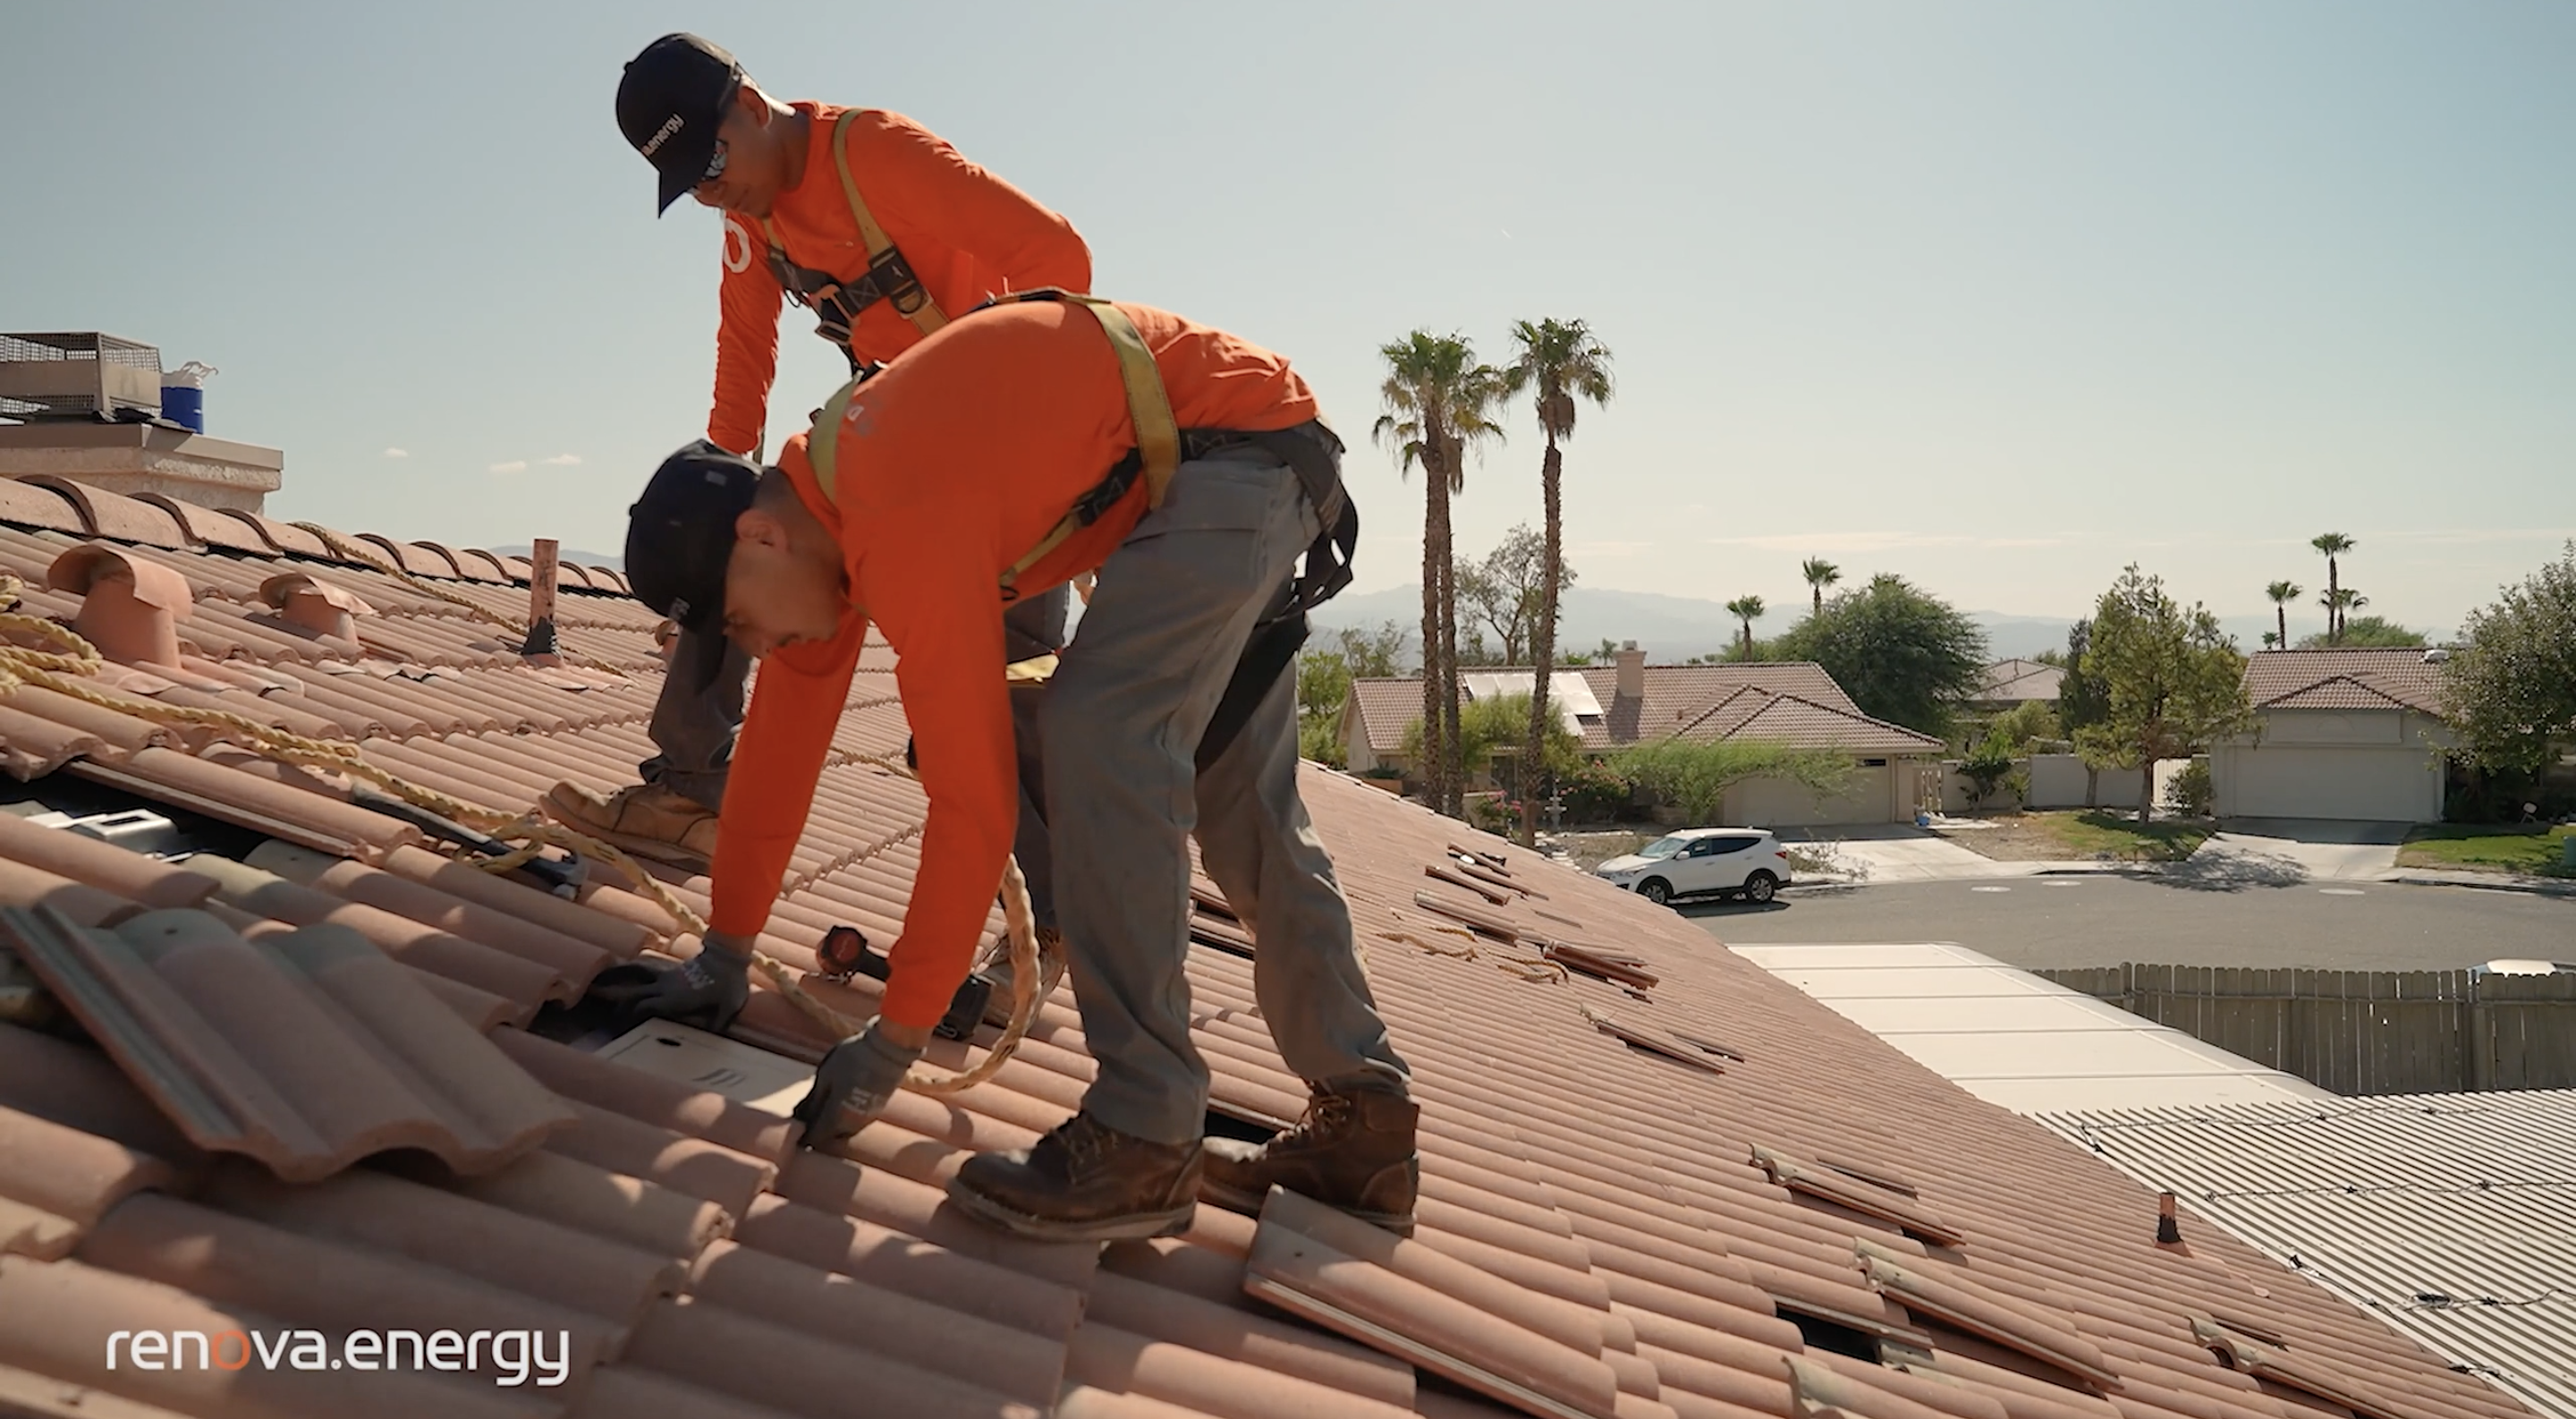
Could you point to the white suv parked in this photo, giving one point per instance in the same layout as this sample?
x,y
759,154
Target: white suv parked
x,y
1701,861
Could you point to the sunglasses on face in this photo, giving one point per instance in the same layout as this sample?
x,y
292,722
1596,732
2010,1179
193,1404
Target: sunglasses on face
x,y
715,164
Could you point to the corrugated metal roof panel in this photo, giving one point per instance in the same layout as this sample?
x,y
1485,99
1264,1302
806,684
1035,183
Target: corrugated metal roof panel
x,y
2452,1217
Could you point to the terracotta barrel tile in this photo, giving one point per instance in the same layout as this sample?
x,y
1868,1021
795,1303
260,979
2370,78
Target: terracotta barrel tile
x,y
520,1254
233,1261
574,960
1550,1244
1635,1298
62,1311
621,1392
691,1166
101,865
427,947
1755,1382
80,1088
264,801
1452,1188
115,516
1108,1358
1231,1333
1686,1405
663,1103
1576,1286
25,886
833,1241
2022,1396
1181,1266
838,1185
1935,1394
31,748
1637,1406
73,1175
1087,1402
28,503
611,1206
789,1370
125,732
460,880
480,1009
1457,1324
1720,1279
35,1233
846,1311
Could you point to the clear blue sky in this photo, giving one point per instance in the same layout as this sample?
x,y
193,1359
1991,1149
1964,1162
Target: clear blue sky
x,y
1998,296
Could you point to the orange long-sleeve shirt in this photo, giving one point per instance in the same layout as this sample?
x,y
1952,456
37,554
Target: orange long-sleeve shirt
x,y
952,463
967,234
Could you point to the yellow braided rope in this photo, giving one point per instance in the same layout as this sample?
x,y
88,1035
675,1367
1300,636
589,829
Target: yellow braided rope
x,y
66,673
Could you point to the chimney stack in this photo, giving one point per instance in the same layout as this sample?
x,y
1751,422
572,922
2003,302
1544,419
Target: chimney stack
x,y
1632,672
2168,1223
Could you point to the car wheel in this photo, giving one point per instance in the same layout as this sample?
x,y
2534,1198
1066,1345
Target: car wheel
x,y
1760,886
1656,890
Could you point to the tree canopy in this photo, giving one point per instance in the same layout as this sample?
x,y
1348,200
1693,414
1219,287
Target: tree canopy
x,y
1695,777
1902,655
2173,681
2512,685
2365,631
1504,592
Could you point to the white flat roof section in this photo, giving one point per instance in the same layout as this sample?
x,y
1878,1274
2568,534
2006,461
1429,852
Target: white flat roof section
x,y
2013,1039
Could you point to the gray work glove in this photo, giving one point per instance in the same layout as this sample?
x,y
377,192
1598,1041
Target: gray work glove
x,y
707,990
852,1086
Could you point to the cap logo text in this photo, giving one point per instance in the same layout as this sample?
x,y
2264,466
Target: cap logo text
x,y
662,135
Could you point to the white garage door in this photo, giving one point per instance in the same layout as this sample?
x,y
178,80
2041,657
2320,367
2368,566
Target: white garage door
x,y
2393,785
1777,803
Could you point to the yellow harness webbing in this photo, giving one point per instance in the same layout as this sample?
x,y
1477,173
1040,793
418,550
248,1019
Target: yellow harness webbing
x,y
923,311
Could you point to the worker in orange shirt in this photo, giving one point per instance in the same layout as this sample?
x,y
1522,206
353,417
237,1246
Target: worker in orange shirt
x,y
1021,446
883,231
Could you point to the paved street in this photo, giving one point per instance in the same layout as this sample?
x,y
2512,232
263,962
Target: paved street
x,y
2251,918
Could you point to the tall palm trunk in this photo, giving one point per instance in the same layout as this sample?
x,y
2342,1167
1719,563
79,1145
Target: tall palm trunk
x,y
1819,590
1543,642
1434,757
2281,618
1453,773
2334,604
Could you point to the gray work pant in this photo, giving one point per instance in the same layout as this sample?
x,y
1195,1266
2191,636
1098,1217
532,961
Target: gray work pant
x,y
695,731
1173,609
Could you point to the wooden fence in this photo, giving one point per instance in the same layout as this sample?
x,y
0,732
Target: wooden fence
x,y
2362,1032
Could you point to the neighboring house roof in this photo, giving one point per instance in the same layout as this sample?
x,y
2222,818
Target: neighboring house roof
x,y
2446,1215
1688,700
1678,1196
2015,681
2344,680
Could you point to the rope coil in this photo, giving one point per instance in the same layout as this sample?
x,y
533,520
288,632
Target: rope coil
x,y
67,672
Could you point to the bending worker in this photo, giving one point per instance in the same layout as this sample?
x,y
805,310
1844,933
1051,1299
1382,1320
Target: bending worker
x,y
882,230
1023,445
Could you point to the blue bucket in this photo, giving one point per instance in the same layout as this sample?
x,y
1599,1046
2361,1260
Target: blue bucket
x,y
184,404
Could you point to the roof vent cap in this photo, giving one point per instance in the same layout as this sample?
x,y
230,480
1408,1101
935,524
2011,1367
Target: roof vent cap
x,y
2437,656
130,605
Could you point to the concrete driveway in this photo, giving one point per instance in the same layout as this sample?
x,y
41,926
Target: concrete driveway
x,y
2298,850
1895,852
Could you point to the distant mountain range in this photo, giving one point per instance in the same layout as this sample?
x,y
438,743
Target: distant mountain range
x,y
1674,628
617,564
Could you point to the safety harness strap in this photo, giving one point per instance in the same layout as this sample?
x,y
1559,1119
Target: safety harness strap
x,y
838,304
914,303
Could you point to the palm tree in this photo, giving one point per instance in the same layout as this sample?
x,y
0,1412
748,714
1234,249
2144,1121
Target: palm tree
x,y
1747,609
1439,402
2340,603
2282,594
2333,544
1819,574
1561,361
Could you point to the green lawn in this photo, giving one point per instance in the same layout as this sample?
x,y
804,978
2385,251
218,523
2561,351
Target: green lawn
x,y
2094,833
2532,850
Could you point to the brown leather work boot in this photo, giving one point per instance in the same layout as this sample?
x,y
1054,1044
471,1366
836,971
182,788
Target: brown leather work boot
x,y
645,819
1352,1150
1084,1182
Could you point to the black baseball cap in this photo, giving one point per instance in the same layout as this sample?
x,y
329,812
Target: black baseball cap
x,y
669,104
679,536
